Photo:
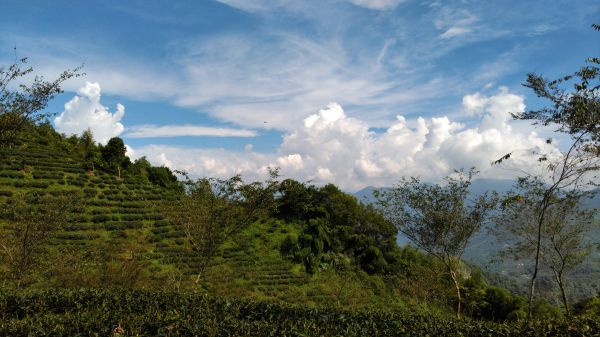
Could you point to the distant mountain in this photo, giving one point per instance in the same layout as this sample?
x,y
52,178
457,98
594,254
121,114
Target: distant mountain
x,y
366,194
484,248
478,187
482,242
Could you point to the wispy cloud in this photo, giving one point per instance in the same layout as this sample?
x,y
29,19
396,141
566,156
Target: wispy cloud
x,y
455,31
164,131
375,65
377,4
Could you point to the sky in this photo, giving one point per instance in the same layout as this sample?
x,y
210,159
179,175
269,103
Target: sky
x,y
352,92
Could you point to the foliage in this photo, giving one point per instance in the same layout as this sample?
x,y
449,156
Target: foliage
x,y
23,105
120,238
565,227
575,112
438,219
30,223
91,152
144,313
335,225
491,303
588,307
212,209
114,156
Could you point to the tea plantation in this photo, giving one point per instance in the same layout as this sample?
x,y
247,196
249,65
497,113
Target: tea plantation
x,y
120,219
144,313
120,267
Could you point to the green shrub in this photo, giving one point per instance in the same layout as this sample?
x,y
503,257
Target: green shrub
x,y
80,218
131,217
90,192
100,218
61,312
122,225
161,223
13,175
590,307
48,175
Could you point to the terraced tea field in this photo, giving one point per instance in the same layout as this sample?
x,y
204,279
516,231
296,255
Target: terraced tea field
x,y
121,215
113,210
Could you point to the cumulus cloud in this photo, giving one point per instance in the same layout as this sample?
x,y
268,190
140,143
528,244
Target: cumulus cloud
x,y
377,4
330,146
474,103
85,111
153,131
207,162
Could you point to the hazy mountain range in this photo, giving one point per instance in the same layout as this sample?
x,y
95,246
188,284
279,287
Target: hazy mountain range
x,y
484,248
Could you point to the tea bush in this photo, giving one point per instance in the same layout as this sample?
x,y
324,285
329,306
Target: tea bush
x,y
59,312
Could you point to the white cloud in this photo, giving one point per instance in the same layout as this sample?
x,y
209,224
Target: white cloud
x,y
85,111
129,151
246,5
377,4
455,21
455,31
153,131
329,146
474,103
207,162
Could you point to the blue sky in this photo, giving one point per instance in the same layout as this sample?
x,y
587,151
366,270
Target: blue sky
x,y
355,92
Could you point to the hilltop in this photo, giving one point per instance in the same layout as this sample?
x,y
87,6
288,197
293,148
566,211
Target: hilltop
x,y
119,234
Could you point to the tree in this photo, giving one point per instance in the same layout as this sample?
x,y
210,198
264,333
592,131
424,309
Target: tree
x,y
563,244
31,221
161,176
90,151
211,210
575,112
440,219
24,105
113,154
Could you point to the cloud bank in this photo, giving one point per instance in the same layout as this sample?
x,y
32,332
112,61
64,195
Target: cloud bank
x,y
85,111
330,146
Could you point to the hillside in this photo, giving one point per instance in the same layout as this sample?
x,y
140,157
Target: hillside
x,y
316,247
117,213
119,235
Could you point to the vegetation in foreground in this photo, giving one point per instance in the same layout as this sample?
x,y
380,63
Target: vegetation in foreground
x,y
153,313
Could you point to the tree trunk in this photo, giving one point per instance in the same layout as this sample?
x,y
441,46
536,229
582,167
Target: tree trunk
x,y
541,219
563,292
532,284
457,288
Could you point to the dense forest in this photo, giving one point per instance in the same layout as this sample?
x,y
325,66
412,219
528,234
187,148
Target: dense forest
x,y
92,242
